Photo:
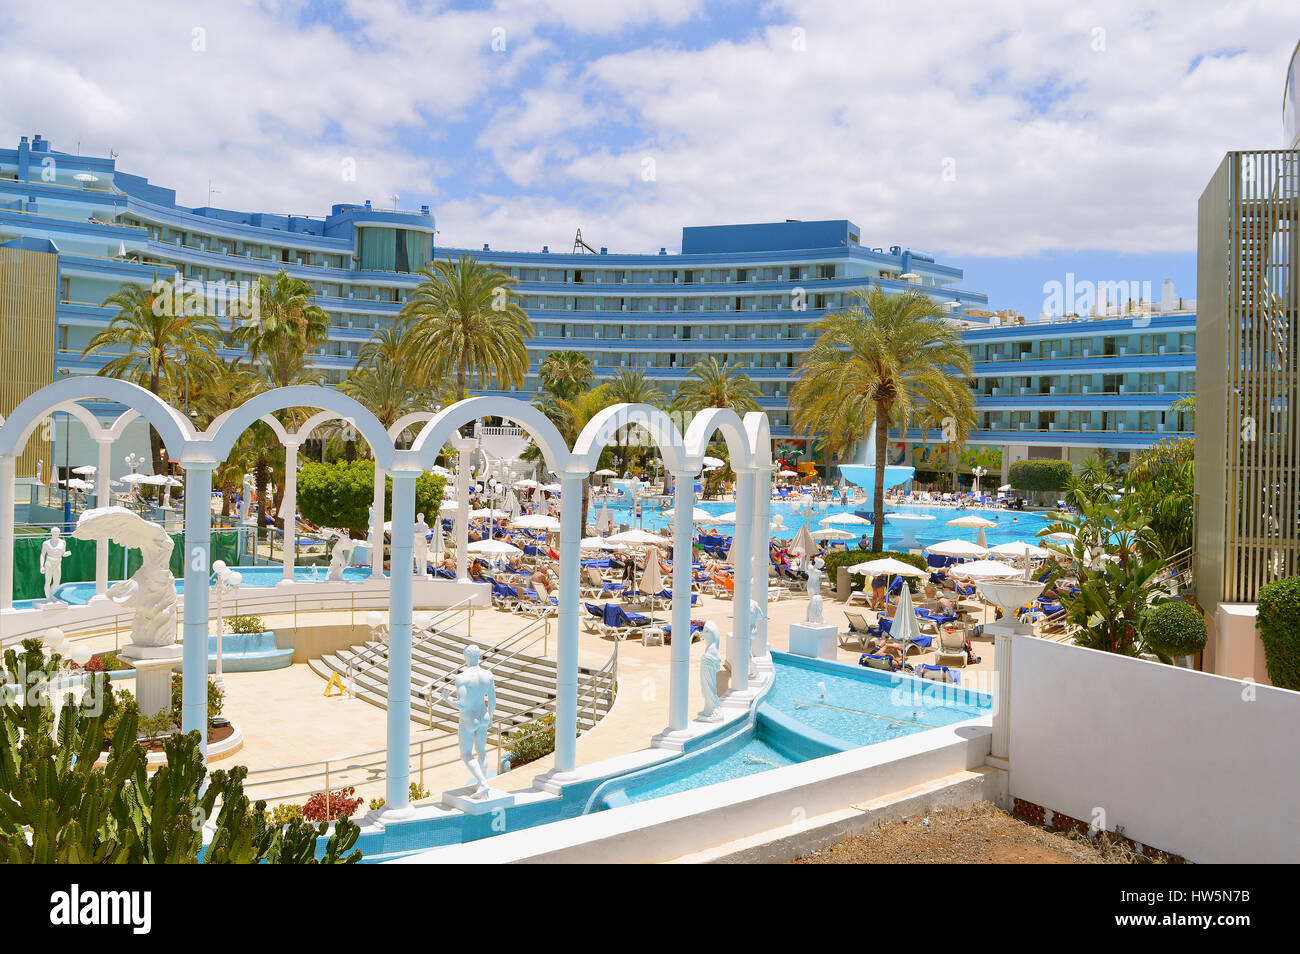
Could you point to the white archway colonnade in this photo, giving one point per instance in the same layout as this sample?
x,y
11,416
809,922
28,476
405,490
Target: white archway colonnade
x,y
200,452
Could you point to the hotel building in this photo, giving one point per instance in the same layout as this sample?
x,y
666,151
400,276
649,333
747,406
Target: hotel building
x,y
74,228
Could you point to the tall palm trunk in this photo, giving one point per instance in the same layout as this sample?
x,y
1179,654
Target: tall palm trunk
x,y
155,439
878,496
460,378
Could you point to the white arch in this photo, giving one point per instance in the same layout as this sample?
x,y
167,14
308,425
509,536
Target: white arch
x,y
221,435
399,426
176,433
600,430
429,443
705,424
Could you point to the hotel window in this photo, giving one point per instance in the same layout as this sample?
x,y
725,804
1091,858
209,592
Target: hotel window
x,y
825,271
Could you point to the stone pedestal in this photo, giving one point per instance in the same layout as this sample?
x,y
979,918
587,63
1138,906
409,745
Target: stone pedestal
x,y
153,675
818,640
489,801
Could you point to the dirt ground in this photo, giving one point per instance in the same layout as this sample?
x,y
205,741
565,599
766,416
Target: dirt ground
x,y
982,834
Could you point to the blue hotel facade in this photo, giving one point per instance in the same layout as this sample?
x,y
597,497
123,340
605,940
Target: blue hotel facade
x,y
747,293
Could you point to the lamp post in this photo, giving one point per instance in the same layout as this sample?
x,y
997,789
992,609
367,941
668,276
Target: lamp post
x,y
226,578
978,472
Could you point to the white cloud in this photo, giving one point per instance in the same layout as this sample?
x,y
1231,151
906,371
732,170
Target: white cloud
x,y
1067,126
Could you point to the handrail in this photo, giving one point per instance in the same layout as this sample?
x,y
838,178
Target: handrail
x,y
498,647
370,651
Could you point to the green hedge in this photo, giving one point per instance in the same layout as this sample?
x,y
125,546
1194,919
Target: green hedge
x,y
1040,475
838,558
1174,628
339,495
1279,629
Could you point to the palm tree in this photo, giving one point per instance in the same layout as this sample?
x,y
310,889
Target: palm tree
x,y
385,389
883,358
285,330
463,317
565,373
631,387
570,417
156,343
715,384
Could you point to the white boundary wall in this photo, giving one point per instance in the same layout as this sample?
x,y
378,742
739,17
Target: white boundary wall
x,y
1191,763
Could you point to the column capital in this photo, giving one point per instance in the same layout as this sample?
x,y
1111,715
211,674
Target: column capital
x,y
575,475
197,464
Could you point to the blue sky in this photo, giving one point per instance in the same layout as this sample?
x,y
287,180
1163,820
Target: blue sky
x,y
1018,139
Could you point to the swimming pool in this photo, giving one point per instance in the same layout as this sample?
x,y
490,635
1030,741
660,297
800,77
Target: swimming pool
x,y
1011,525
814,708
254,577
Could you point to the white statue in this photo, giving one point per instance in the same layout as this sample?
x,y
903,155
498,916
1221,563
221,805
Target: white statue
x,y
246,501
53,552
757,645
476,700
814,614
420,551
370,529
710,666
151,590
340,556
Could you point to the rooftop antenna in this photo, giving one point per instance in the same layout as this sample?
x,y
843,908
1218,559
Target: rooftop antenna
x,y
395,197
212,192
579,245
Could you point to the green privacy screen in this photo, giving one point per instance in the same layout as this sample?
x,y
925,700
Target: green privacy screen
x,y
29,583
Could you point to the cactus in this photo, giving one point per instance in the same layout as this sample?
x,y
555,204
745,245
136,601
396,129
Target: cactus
x,y
58,806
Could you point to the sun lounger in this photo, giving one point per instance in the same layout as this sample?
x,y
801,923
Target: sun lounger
x,y
941,673
858,631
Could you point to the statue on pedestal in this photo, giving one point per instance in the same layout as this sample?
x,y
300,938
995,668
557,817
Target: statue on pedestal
x,y
420,551
476,700
53,552
814,614
340,556
710,666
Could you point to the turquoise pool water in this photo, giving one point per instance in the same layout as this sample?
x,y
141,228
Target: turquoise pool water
x,y
864,706
741,757
1011,525
253,577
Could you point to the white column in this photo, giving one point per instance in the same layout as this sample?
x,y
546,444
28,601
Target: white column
x,y
377,523
289,505
762,520
1000,743
198,542
462,446
397,786
103,498
566,647
742,545
679,691
7,468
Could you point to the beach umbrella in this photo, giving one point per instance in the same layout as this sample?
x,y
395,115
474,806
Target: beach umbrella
x,y
1004,488
726,517
1018,548
906,627
652,580
436,543
85,470
441,471
970,520
887,566
493,548
606,472
804,543
512,505
956,548
134,478
697,515
982,540
636,538
851,519
526,484
76,483
984,568
711,463
536,521
551,488
488,512
830,533
600,543
787,473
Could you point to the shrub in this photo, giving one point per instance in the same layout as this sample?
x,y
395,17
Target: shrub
x,y
532,741
1174,628
340,494
418,792
341,804
1279,629
215,699
376,804
245,624
106,662
159,724
1040,475
284,814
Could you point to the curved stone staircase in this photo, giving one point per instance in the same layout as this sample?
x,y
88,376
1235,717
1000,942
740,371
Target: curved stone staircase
x,y
525,684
